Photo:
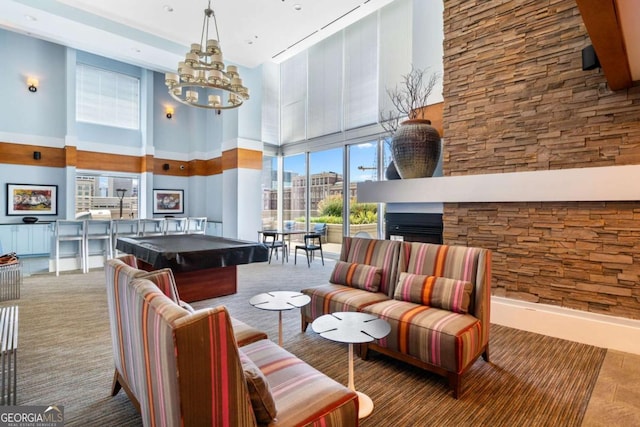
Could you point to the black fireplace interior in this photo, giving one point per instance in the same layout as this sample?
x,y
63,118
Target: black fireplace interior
x,y
414,227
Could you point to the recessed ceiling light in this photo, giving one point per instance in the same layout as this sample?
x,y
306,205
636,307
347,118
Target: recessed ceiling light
x,y
167,8
297,6
30,18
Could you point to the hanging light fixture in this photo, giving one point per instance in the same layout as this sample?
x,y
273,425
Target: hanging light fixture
x,y
202,80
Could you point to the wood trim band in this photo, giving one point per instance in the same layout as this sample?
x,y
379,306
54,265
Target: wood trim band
x,y
22,154
70,156
602,23
241,158
433,112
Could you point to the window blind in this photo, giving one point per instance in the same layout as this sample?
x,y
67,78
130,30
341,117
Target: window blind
x,y
107,98
294,97
325,87
361,72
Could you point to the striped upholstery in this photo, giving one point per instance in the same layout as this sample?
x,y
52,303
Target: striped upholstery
x,y
153,317
185,369
246,334
438,292
166,282
303,395
118,276
379,253
332,298
360,276
455,262
439,337
433,338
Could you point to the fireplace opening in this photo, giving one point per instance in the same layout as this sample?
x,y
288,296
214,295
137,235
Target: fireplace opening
x,y
414,227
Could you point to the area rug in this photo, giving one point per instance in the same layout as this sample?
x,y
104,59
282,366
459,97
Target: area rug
x,y
65,359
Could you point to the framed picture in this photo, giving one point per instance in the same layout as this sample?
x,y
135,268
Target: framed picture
x,y
28,199
168,201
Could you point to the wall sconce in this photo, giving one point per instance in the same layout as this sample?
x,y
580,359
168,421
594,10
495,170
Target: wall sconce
x,y
37,155
33,84
168,112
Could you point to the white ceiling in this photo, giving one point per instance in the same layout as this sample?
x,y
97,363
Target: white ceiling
x,y
144,33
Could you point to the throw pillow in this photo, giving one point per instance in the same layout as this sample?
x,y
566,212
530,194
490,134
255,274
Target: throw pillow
x,y
440,292
361,276
264,407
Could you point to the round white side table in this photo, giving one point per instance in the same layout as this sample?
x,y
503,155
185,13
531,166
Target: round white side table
x,y
353,328
279,301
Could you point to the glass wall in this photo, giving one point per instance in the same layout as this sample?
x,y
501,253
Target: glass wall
x,y
363,166
326,195
269,192
294,196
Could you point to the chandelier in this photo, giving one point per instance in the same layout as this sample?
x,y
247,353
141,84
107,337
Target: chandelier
x,y
202,80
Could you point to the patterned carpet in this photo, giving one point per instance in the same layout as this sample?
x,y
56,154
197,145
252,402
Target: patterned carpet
x,y
65,359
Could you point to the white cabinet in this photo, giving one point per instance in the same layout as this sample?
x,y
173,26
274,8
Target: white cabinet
x,y
26,239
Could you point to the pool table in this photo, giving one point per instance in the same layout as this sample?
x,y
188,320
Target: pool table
x,y
204,266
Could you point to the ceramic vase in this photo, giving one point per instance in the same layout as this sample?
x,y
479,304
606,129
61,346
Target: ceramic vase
x,y
416,149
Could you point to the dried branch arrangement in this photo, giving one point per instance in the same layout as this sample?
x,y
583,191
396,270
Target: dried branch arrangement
x,y
408,97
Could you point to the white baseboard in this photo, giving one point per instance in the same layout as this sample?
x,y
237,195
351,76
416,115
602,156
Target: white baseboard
x,y
599,330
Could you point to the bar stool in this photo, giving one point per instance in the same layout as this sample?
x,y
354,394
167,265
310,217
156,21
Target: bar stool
x,y
175,225
197,225
123,228
97,229
68,230
151,226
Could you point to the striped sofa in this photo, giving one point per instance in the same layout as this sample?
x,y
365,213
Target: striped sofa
x,y
435,297
194,368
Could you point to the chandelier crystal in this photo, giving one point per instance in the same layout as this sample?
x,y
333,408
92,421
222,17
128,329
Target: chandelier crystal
x,y
202,80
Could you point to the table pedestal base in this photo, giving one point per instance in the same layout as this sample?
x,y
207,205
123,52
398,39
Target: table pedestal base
x,y
202,284
365,405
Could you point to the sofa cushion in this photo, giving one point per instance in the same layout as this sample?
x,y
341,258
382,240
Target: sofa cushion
x,y
304,396
262,402
332,298
439,292
245,334
362,276
436,336
455,262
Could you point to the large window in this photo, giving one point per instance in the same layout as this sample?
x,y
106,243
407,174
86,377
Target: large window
x,y
295,186
107,98
269,192
363,166
97,196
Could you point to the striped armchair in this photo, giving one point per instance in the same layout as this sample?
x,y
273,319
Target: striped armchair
x,y
186,368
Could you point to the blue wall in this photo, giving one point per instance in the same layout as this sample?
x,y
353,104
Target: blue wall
x,y
41,113
47,118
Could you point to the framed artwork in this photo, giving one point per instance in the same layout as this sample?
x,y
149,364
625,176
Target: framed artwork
x,y
28,199
168,201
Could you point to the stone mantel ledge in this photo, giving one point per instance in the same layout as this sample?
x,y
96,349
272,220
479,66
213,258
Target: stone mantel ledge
x,y
608,183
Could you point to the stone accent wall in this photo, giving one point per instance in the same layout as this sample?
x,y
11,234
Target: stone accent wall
x,y
581,255
516,99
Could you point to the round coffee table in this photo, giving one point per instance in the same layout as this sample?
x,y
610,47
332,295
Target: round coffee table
x,y
279,301
353,328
